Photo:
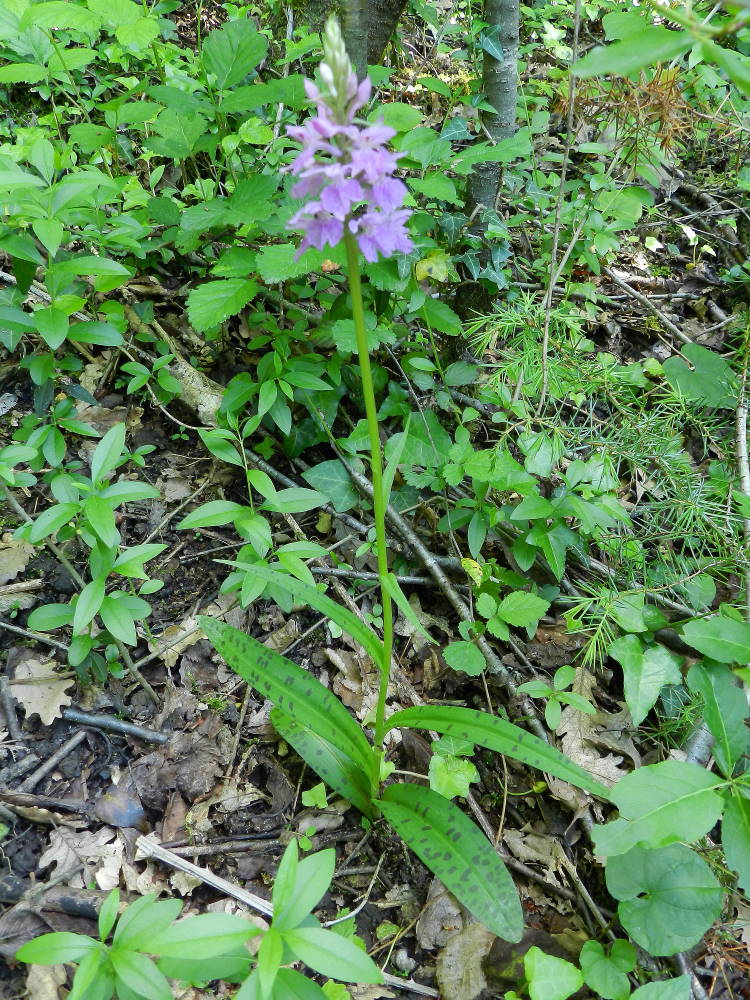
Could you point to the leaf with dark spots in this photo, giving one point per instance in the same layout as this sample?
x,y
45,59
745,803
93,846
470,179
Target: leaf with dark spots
x,y
458,853
498,735
288,686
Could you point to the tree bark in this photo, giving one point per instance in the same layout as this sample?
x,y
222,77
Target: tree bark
x,y
374,21
499,83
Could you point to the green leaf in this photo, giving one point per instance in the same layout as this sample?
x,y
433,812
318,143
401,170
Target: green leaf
x,y
107,452
709,382
603,974
400,117
278,262
53,949
645,673
734,64
143,920
313,877
233,51
51,520
212,514
719,638
108,914
339,772
391,585
118,620
294,500
465,656
332,955
458,853
660,804
205,936
735,838
333,481
88,603
101,518
522,609
22,72
724,711
451,776
292,985
139,974
668,898
439,316
655,44
50,616
213,302
138,35
130,562
496,734
665,989
61,15
52,325
549,977
296,692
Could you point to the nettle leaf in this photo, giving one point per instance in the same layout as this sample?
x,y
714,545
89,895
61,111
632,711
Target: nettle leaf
x,y
522,609
449,844
735,838
498,735
296,692
724,711
660,804
233,51
646,672
330,763
212,303
668,898
465,656
720,638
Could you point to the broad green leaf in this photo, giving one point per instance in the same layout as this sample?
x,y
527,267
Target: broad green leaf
x,y
205,936
705,377
296,692
50,616
668,898
455,850
724,711
22,72
313,877
549,977
655,44
719,638
398,116
465,656
233,51
333,481
138,35
735,838
143,920
451,776
294,500
332,955
118,620
496,734
645,671
101,518
108,914
734,64
292,985
665,989
107,452
660,804
130,562
93,979
53,949
213,302
343,775
61,15
604,974
521,609
346,619
51,520
212,514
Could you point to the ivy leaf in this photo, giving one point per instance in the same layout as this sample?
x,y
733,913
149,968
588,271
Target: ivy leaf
x,y
645,673
668,898
660,804
212,303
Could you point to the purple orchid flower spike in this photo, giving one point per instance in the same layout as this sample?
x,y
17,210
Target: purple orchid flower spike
x,y
344,168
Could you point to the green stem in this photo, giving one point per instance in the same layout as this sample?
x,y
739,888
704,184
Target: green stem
x,y
379,500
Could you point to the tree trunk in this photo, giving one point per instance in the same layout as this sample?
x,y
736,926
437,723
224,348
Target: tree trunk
x,y
499,83
367,24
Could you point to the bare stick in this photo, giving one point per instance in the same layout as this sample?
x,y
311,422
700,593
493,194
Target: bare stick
x,y
51,763
108,722
648,304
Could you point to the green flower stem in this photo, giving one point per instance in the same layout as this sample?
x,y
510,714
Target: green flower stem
x,y
379,500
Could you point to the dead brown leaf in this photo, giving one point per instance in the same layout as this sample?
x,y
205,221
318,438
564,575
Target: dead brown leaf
x,y
42,691
580,736
14,557
86,855
459,971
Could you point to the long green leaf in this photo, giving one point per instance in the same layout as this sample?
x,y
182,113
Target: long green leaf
x,y
296,692
458,853
337,770
321,602
498,735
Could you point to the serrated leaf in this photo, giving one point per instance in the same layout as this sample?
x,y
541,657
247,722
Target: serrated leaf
x,y
233,51
465,656
522,609
296,692
449,844
496,734
668,898
660,804
212,303
338,771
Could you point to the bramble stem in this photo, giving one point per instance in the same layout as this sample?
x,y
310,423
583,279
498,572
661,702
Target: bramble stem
x,y
376,472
